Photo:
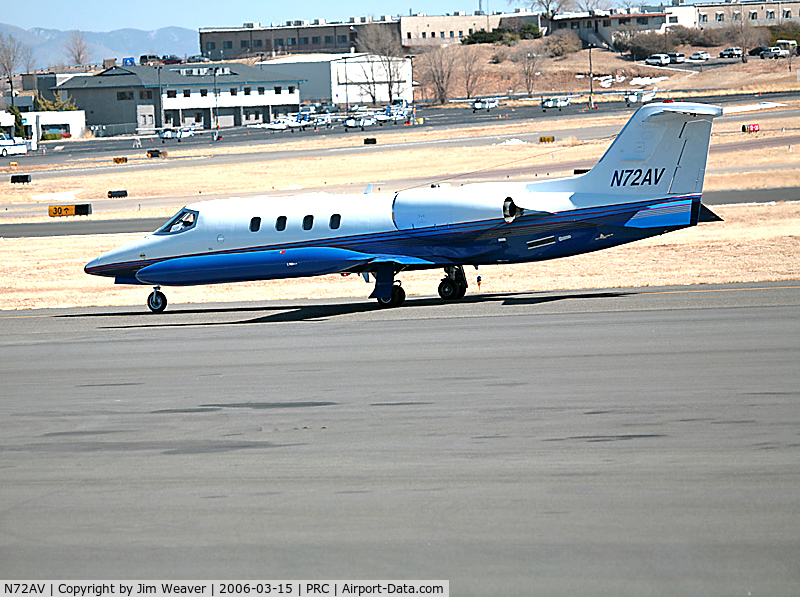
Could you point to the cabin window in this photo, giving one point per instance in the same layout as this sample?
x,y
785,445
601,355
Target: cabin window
x,y
184,220
308,222
336,221
255,224
280,223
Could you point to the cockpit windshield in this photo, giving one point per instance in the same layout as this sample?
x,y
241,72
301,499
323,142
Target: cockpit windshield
x,y
184,220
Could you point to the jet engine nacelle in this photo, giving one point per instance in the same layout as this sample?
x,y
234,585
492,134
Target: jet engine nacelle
x,y
425,208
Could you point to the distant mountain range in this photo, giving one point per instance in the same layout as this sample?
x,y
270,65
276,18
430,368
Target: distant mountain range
x,y
48,44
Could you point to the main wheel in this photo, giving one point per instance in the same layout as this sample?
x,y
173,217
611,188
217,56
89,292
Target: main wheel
x,y
5,152
462,290
448,289
157,301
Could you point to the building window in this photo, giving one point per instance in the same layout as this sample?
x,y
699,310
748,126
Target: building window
x,y
291,41
278,41
172,93
227,45
210,45
342,39
336,221
233,90
575,24
198,117
204,93
247,91
624,20
720,17
441,34
328,39
277,90
187,93
787,14
408,34
291,88
303,41
124,95
255,224
737,16
424,35
316,40
260,91
308,222
673,20
244,43
257,43
607,23
770,14
452,34
461,34
587,24
146,94
642,20
280,223
703,18
470,31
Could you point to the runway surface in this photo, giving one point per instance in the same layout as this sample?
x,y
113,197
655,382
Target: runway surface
x,y
604,442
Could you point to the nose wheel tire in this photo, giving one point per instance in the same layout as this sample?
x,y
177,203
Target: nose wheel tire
x,y
157,301
396,300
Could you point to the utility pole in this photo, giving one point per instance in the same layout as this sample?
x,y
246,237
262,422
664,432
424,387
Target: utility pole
x,y
160,100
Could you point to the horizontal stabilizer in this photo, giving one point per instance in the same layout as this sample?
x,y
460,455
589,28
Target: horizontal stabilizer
x,y
706,215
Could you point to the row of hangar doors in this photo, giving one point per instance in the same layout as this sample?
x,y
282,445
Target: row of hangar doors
x,y
204,117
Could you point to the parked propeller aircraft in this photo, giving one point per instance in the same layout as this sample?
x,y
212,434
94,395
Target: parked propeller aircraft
x,y
649,182
485,104
640,96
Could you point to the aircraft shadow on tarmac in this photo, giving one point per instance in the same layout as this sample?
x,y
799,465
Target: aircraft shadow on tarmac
x,y
289,314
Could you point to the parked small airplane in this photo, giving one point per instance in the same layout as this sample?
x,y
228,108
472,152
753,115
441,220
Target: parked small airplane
x,y
360,121
640,96
393,114
649,182
559,102
485,104
180,133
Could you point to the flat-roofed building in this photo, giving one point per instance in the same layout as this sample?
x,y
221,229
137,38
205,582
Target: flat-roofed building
x,y
206,96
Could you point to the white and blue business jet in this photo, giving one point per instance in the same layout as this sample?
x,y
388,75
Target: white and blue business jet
x,y
648,182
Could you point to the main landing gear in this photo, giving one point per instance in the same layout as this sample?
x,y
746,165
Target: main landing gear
x,y
157,301
454,284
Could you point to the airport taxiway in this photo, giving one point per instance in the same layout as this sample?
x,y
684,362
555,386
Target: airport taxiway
x,y
631,441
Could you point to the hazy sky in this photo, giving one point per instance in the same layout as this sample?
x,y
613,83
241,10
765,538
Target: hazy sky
x,y
105,15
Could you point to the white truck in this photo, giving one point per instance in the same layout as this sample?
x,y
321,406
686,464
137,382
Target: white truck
x,y
775,52
12,145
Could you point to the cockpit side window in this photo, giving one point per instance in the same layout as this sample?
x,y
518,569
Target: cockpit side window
x,y
184,220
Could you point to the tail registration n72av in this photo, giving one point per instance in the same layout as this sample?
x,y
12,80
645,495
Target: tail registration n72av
x,y
648,182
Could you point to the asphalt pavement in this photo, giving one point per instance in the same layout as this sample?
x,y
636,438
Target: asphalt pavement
x,y
630,441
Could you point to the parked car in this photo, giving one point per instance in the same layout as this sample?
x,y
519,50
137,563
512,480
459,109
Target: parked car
x,y
676,57
657,60
757,51
775,52
198,58
149,59
328,107
701,55
171,59
734,52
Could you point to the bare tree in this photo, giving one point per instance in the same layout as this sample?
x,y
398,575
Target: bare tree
x,y
550,8
438,65
28,58
471,61
384,44
370,68
529,59
590,5
77,49
10,57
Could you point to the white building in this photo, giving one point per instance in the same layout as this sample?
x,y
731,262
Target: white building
x,y
347,79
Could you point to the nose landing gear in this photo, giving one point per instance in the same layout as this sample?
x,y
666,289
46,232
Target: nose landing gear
x,y
157,301
454,285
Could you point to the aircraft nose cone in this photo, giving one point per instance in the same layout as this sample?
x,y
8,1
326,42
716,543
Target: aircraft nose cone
x,y
91,265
